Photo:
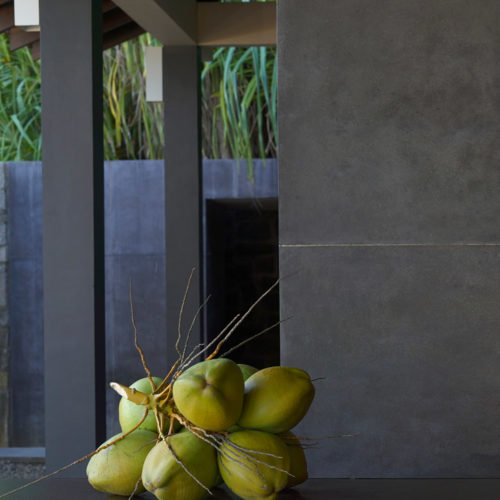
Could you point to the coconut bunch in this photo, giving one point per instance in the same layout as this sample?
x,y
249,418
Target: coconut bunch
x,y
206,423
226,423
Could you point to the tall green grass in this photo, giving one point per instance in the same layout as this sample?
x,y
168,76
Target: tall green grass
x,y
238,104
239,90
133,127
20,110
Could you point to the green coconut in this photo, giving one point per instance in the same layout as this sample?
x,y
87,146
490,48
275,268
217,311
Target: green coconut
x,y
166,478
130,414
276,399
298,463
247,370
117,469
210,394
259,472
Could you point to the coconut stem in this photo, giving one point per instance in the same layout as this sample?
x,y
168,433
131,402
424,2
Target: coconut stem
x,y
137,397
136,341
163,384
136,487
181,313
249,310
224,354
190,331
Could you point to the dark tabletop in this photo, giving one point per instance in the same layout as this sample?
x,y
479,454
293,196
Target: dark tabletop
x,y
314,489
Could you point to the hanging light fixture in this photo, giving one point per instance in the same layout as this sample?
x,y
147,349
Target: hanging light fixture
x,y
154,74
27,14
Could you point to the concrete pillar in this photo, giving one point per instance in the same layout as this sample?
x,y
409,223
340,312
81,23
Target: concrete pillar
x,y
389,210
182,189
73,229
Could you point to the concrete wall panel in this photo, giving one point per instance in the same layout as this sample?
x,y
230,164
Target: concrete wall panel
x,y
389,159
407,340
389,125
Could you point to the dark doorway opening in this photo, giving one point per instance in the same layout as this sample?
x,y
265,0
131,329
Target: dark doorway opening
x,y
241,264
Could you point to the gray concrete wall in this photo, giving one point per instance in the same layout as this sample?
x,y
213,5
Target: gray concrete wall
x,y
25,301
4,313
389,209
135,251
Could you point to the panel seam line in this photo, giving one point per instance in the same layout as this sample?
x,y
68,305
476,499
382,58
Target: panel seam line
x,y
357,245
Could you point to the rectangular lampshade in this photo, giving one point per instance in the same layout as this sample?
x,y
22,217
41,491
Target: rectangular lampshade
x,y
154,74
26,13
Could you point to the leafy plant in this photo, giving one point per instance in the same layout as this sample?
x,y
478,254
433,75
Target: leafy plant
x,y
20,109
133,127
238,104
239,90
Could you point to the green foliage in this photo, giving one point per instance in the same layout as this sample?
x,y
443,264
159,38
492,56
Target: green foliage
x,y
133,127
20,111
239,103
238,88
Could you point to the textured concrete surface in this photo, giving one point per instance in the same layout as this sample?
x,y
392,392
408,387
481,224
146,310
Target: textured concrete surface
x,y
389,159
4,313
22,463
26,307
407,340
20,470
135,249
389,126
230,179
123,363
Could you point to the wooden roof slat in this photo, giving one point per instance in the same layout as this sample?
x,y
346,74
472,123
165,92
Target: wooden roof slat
x,y
219,24
108,5
6,17
20,38
114,19
35,50
118,27
121,34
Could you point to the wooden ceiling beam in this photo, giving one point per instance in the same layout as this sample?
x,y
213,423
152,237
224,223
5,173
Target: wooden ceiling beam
x,y
240,24
113,19
108,5
20,38
6,17
35,50
215,24
121,34
172,22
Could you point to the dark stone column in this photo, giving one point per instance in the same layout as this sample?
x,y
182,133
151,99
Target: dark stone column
x,y
73,229
182,189
389,210
5,405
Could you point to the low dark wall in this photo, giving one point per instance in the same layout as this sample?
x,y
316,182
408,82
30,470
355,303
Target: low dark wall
x,y
135,252
25,304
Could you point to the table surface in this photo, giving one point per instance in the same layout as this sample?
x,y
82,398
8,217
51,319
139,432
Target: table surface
x,y
314,489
